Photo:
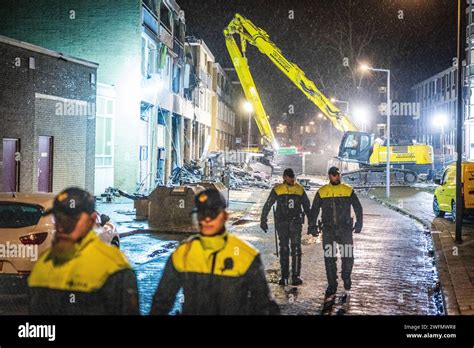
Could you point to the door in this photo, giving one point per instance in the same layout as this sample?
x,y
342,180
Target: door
x,y
11,165
468,180
45,164
441,192
449,189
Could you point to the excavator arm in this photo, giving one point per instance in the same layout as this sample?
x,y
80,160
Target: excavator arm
x,y
356,146
248,85
249,33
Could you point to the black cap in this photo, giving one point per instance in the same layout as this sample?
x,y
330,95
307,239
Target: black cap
x,y
73,201
209,200
289,173
334,171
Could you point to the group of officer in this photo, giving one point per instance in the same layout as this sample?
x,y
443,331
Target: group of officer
x,y
219,273
336,225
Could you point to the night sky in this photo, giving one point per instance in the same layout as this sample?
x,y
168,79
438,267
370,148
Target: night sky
x,y
414,48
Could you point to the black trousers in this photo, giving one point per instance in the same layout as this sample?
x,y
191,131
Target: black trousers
x,y
332,241
289,236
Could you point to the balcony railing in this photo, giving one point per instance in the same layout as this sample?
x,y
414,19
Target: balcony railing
x,y
166,37
150,20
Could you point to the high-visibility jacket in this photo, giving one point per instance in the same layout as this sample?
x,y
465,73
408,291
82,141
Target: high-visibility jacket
x,y
93,278
291,202
219,275
335,201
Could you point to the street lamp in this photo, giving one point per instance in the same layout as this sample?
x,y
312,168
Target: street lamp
x,y
248,107
440,120
346,103
364,68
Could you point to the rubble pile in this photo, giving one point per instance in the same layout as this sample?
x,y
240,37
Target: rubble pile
x,y
245,176
189,173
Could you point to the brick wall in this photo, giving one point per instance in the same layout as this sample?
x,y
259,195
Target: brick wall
x,y
107,32
25,116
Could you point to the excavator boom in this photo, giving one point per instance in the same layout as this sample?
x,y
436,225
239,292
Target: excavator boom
x,y
249,33
357,147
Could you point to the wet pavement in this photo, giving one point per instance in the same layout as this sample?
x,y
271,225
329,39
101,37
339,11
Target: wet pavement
x,y
393,273
455,261
148,254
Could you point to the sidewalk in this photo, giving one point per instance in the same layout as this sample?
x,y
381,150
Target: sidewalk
x,y
455,262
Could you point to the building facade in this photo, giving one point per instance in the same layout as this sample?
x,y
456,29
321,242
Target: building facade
x,y
151,116
469,80
47,119
437,99
223,112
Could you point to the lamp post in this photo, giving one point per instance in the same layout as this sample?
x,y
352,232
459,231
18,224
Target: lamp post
x,y
461,52
440,121
248,107
389,110
346,103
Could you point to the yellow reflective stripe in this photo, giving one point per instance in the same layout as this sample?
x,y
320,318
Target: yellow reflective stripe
x,y
341,190
191,257
284,189
86,272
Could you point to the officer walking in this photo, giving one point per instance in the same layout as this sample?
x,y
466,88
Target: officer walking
x,y
80,274
291,205
218,272
335,200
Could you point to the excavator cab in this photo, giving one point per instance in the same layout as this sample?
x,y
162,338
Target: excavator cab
x,y
356,147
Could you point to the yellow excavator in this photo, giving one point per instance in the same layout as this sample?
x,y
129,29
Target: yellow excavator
x,y
356,147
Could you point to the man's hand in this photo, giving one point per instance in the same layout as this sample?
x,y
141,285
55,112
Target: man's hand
x,y
264,226
357,228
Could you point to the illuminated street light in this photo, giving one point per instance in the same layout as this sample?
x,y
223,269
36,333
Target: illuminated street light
x,y
440,120
361,115
365,67
320,115
248,106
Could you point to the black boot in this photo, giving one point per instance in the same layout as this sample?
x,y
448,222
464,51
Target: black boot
x,y
296,280
283,281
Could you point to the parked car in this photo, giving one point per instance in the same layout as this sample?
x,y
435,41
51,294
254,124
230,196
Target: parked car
x,y
22,223
444,199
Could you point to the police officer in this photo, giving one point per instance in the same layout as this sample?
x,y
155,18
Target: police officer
x,y
292,202
335,200
219,273
80,274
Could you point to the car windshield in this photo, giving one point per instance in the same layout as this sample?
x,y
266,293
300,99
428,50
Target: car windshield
x,y
18,215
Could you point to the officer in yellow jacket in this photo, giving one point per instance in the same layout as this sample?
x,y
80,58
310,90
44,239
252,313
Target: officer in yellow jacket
x,y
219,273
291,205
80,274
335,199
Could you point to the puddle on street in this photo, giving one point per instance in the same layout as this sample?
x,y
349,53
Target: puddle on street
x,y
148,253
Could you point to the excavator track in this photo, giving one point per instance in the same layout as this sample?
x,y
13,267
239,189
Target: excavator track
x,y
376,177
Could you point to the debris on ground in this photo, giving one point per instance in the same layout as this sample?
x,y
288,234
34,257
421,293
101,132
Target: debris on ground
x,y
243,176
